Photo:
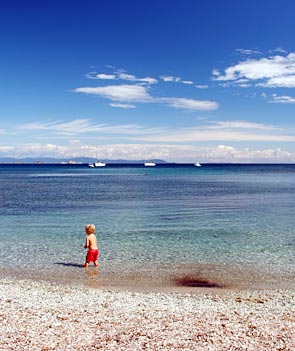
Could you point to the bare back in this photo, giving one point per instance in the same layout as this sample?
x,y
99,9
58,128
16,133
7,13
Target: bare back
x,y
91,242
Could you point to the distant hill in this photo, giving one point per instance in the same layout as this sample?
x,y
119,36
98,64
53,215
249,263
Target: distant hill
x,y
69,160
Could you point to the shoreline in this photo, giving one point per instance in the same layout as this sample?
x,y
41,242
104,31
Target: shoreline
x,y
195,279
51,316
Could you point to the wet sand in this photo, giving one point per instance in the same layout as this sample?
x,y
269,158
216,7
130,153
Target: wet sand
x,y
193,278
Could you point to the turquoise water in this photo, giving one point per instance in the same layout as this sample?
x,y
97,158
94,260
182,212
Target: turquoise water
x,y
233,223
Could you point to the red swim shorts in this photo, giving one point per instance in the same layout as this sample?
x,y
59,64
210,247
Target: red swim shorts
x,y
92,255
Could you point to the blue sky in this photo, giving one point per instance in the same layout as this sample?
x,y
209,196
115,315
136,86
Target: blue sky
x,y
179,80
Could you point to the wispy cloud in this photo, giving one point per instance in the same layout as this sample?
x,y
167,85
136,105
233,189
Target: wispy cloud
x,y
189,104
281,50
132,78
126,95
274,71
225,131
77,126
138,93
248,51
242,125
278,99
121,75
85,126
221,131
282,99
176,80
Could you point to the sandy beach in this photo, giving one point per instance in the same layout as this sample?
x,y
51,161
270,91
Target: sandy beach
x,y
47,316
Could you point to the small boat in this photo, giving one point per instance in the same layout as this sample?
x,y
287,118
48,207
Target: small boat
x,y
99,164
197,164
149,164
90,165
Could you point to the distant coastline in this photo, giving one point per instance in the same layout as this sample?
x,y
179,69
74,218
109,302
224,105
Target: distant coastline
x,y
87,160
74,160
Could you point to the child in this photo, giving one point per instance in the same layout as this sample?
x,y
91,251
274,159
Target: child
x,y
91,245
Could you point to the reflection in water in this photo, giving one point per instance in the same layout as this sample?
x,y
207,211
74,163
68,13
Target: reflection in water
x,y
92,277
70,264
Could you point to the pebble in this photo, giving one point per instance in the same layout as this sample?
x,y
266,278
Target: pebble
x,y
46,316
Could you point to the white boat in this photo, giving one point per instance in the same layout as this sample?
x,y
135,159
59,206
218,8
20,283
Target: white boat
x,y
91,165
99,164
197,164
149,164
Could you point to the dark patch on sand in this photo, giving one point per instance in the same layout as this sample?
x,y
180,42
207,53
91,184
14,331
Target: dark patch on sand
x,y
196,282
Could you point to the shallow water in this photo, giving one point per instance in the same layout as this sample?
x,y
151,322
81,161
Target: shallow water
x,y
233,224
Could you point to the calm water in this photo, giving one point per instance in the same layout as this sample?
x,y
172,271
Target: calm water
x,y
231,223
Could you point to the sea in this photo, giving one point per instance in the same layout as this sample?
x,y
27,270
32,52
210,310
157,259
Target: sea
x,y
169,226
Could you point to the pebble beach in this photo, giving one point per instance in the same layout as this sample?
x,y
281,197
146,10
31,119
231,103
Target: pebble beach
x,y
38,315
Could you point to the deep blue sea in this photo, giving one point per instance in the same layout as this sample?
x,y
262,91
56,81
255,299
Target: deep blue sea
x,y
229,223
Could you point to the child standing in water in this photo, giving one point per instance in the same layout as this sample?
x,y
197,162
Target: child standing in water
x,y
91,245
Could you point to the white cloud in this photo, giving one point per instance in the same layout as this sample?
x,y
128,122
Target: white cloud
x,y
148,80
201,86
277,99
121,75
242,125
176,80
274,71
94,75
135,151
125,92
189,82
122,95
280,82
6,149
127,106
197,134
139,93
232,154
190,104
226,131
169,78
132,78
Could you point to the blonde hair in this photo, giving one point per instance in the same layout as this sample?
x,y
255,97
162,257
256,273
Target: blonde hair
x,y
90,228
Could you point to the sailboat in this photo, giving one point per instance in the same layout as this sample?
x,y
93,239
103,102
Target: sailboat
x,y
197,164
149,164
99,164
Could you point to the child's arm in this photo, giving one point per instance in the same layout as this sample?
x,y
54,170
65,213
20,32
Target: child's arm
x,y
86,243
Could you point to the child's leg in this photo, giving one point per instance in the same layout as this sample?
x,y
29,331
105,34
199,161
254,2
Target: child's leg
x,y
96,263
86,264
